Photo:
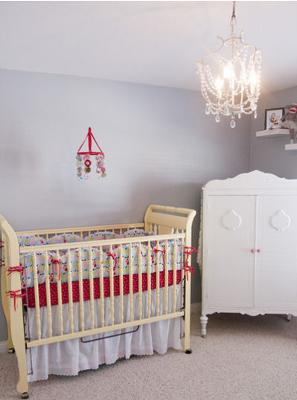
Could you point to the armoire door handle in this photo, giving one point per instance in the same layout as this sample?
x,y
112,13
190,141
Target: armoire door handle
x,y
255,251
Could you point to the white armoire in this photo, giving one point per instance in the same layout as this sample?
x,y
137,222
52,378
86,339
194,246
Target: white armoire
x,y
249,246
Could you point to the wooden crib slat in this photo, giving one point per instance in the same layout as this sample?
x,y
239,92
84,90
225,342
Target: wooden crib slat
x,y
131,300
36,293
91,278
101,287
166,278
81,292
111,285
70,291
121,284
174,264
149,270
158,280
139,257
182,269
59,286
48,298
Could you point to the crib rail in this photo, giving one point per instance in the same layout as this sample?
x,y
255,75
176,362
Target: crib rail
x,y
83,231
101,242
161,257
105,329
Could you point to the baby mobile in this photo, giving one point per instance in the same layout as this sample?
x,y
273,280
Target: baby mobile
x,y
84,157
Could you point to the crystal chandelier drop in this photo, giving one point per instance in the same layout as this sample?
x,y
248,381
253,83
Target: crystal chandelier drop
x,y
234,88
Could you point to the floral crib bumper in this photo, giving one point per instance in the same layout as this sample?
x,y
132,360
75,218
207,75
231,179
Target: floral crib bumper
x,y
58,265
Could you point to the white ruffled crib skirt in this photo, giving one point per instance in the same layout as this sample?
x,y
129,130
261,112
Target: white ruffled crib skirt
x,y
72,356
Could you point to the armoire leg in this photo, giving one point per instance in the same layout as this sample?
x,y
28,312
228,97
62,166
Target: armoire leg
x,y
289,317
203,321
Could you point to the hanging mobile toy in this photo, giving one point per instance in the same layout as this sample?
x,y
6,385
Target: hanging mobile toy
x,y
83,158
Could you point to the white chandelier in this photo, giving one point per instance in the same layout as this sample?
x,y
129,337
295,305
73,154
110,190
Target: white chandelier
x,y
235,88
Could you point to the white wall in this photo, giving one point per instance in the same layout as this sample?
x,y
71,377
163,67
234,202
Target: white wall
x,y
160,148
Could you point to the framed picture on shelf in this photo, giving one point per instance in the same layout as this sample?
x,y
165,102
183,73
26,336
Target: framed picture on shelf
x,y
273,117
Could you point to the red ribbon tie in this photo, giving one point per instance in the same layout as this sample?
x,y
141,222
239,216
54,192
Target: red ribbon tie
x,y
15,294
156,251
188,268
17,268
57,263
115,260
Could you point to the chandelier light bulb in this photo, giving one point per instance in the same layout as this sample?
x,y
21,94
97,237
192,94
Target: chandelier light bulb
x,y
219,83
230,81
229,71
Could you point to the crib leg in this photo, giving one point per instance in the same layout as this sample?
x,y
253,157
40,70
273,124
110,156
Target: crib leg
x,y
9,339
5,307
203,321
14,305
22,385
9,343
18,339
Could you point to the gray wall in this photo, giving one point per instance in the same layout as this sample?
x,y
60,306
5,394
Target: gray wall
x,y
268,154
160,148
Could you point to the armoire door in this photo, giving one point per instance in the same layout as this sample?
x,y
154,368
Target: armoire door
x,y
229,252
276,259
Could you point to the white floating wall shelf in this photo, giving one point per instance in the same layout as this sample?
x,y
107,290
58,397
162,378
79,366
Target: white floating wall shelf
x,y
273,133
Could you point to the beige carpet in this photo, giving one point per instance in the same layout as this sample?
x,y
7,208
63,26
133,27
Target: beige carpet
x,y
242,358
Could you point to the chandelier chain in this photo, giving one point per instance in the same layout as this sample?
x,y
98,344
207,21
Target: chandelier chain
x,y
233,18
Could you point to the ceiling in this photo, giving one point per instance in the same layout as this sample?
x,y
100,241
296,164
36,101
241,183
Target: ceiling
x,y
156,43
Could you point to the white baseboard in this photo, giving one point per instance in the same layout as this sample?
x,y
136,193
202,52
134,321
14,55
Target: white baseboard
x,y
3,347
